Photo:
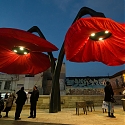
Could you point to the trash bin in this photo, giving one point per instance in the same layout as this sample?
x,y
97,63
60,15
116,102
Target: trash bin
x,y
123,103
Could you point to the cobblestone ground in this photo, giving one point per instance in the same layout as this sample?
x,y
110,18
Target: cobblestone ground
x,y
66,117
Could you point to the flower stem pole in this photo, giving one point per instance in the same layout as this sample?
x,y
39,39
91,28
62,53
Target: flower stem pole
x,y
37,30
55,100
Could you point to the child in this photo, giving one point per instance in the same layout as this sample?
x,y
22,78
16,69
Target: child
x,y
104,106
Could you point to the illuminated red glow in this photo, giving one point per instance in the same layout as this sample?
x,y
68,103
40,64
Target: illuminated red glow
x,y
31,63
110,51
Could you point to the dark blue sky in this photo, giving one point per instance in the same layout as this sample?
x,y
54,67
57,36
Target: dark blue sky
x,y
54,17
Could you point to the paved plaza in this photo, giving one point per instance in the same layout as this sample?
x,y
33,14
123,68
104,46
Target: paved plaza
x,y
66,117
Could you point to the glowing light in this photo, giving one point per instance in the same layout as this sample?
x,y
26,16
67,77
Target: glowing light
x,y
101,35
25,53
106,31
100,38
21,48
15,51
93,34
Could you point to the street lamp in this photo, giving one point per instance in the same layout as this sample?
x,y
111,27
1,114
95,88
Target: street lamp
x,y
55,101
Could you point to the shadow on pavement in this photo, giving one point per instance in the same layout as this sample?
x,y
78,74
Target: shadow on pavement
x,y
13,122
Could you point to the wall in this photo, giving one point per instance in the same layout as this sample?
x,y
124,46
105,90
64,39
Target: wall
x,y
117,82
11,79
47,81
68,101
29,81
85,85
117,85
18,81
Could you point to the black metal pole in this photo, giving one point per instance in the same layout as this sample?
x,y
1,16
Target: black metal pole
x,y
37,30
55,99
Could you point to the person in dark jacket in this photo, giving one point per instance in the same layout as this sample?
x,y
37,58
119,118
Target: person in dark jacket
x,y
108,95
20,101
1,105
6,96
123,92
33,102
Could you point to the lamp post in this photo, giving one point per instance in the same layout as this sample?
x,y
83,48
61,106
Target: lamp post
x,y
37,30
55,100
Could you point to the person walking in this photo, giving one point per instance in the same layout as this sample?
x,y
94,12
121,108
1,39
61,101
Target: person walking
x,y
9,103
20,101
33,101
108,96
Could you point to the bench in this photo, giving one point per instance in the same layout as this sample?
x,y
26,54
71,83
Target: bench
x,y
81,104
90,104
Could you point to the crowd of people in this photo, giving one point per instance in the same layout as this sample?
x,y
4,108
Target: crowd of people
x,y
20,98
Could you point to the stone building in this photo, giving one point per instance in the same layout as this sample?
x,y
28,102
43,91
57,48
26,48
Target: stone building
x,y
9,83
12,83
47,81
95,85
68,85
117,82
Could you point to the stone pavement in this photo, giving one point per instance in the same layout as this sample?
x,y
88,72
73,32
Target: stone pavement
x,y
66,117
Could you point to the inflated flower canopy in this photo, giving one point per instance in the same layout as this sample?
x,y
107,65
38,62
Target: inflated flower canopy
x,y
21,52
96,39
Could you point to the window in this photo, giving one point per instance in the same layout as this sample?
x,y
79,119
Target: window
x,y
29,75
19,86
7,85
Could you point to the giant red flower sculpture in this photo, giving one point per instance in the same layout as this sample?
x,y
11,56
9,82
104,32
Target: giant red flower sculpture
x,y
96,39
21,52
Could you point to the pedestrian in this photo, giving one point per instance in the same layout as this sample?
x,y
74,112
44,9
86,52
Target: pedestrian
x,y
14,95
104,106
1,104
9,103
123,92
33,101
6,96
20,101
108,98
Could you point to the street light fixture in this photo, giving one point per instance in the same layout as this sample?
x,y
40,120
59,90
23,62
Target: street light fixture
x,y
20,50
100,35
55,100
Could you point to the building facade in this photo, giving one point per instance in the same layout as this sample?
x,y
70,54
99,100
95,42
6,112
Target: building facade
x,y
47,81
118,81
11,83
68,85
85,85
